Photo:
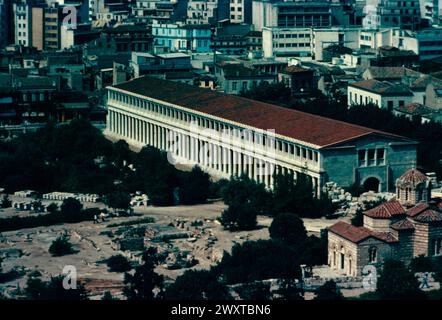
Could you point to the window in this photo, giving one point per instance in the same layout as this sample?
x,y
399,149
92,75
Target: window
x,y
372,255
436,245
380,156
234,85
371,157
361,158
401,103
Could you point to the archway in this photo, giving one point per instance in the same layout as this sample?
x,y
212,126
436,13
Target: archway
x,y
372,184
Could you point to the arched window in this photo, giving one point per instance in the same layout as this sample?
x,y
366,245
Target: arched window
x,y
372,255
436,245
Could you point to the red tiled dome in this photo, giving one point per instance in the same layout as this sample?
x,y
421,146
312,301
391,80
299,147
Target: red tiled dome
x,y
411,179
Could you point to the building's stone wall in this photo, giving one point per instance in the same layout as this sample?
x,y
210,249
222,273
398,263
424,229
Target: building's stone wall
x,y
420,239
404,249
339,247
378,225
343,166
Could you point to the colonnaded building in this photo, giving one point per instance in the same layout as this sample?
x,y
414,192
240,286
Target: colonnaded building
x,y
229,135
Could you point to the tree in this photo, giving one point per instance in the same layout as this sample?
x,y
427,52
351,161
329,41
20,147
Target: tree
x,y
36,289
61,246
243,190
239,217
329,291
437,269
421,264
71,206
121,153
255,260
297,196
288,228
118,200
396,282
52,208
194,186
159,178
198,285
107,296
6,203
277,93
142,284
257,290
118,263
288,290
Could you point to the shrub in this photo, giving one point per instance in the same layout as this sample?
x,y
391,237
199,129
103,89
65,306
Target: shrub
x,y
60,247
118,263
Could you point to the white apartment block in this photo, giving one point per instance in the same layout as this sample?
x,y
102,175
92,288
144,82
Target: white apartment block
x,y
306,42
383,94
200,11
23,24
237,11
286,42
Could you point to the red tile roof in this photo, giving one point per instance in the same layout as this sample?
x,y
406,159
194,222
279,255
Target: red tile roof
x,y
295,69
349,232
386,210
419,208
411,179
429,216
385,236
403,225
382,87
358,234
319,131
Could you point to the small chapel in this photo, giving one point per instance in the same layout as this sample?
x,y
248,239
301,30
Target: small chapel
x,y
403,228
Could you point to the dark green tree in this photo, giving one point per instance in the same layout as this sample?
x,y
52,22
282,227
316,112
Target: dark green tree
x,y
255,260
194,187
257,291
289,290
239,217
6,203
71,207
243,190
36,289
143,283
328,291
118,263
288,228
118,200
61,247
421,264
52,208
197,285
396,282
107,296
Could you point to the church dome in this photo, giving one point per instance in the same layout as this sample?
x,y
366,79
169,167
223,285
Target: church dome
x,y
411,179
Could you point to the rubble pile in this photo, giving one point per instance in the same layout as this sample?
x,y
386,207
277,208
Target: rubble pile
x,y
348,204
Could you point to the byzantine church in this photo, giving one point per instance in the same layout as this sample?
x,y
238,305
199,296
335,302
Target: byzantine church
x,y
408,226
